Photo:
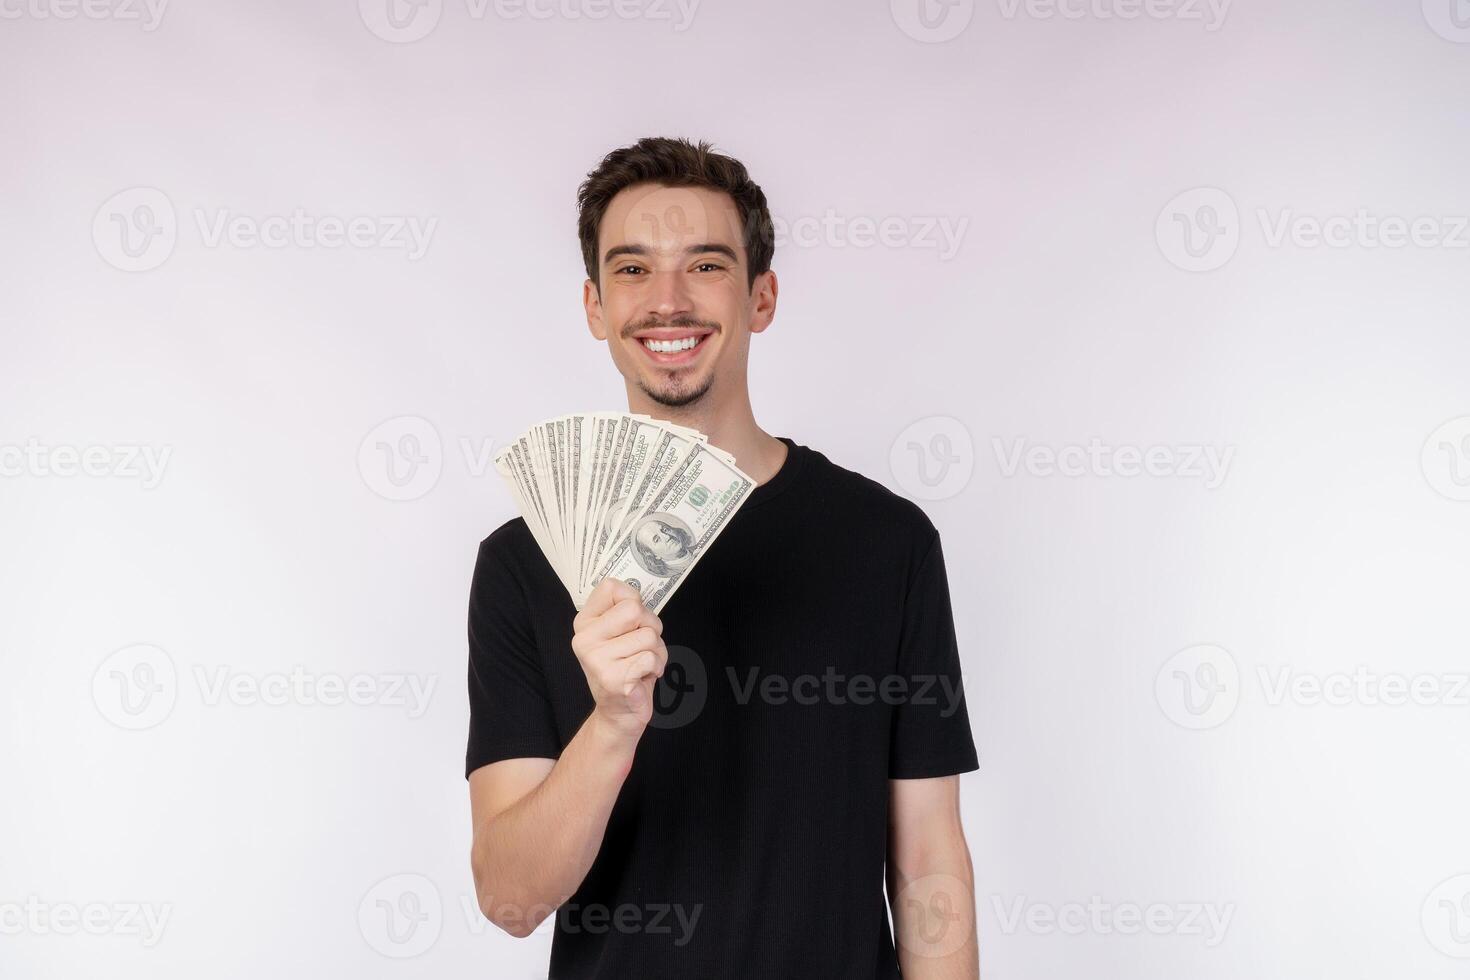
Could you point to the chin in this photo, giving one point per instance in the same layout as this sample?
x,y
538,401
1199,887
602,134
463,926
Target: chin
x,y
677,396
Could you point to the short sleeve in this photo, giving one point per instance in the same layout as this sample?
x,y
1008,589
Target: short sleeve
x,y
510,711
931,727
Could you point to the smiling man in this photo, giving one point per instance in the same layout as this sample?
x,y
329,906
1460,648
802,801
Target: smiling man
x,y
679,821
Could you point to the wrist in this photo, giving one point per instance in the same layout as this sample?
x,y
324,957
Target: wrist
x,y
611,736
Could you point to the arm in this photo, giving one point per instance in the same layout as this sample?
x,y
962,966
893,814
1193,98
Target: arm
x,y
538,824
931,881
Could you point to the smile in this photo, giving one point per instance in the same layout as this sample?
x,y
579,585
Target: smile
x,y
673,349
671,346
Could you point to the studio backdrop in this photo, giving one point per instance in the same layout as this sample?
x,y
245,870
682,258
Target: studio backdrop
x,y
1158,309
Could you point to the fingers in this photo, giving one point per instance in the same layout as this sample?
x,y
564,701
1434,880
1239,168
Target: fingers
x,y
606,594
640,665
646,663
635,642
622,617
619,642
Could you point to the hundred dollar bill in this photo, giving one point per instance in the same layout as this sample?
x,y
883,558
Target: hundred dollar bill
x,y
586,482
668,537
653,454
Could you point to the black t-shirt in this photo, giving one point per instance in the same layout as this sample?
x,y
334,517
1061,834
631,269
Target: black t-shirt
x,y
812,659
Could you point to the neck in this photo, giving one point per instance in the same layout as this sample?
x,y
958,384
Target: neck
x,y
729,425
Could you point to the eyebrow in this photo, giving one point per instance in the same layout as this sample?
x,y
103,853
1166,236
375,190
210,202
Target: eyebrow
x,y
644,250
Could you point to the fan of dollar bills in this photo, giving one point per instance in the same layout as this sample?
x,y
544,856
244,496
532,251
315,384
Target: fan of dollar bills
x,y
611,493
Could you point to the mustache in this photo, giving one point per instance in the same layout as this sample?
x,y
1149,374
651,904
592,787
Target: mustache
x,y
686,322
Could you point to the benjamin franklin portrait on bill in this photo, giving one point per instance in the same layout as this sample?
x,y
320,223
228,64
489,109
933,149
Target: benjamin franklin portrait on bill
x,y
662,544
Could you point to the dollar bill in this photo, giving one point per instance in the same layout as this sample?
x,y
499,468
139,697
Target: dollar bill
x,y
667,539
617,493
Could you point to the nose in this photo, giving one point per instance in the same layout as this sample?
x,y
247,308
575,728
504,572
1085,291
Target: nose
x,y
669,294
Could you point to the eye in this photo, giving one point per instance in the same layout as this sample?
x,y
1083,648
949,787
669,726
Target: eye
x,y
626,269
715,266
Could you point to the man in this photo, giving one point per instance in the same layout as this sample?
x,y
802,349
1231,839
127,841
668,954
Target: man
x,y
713,793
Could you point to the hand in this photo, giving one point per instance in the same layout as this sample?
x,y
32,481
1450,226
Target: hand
x,y
619,644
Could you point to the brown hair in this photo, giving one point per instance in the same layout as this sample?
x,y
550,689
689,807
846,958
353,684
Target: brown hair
x,y
675,163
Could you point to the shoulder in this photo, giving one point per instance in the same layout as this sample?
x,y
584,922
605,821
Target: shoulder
x,y
868,503
511,572
508,551
512,536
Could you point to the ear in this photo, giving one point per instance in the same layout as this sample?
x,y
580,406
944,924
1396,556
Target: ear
x,y
592,303
763,301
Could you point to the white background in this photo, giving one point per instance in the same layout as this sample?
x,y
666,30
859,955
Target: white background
x,y
1335,540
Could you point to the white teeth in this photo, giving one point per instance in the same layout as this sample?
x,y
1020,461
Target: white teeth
x,y
671,346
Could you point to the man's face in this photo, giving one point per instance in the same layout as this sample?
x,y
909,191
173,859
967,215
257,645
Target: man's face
x,y
674,305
